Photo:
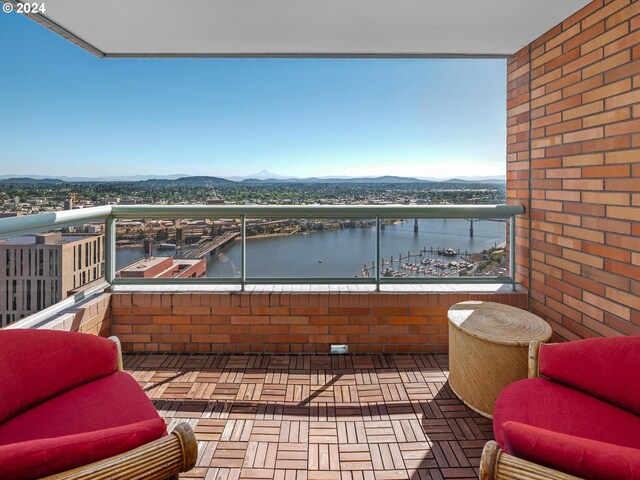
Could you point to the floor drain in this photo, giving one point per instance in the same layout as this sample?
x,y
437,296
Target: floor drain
x,y
339,349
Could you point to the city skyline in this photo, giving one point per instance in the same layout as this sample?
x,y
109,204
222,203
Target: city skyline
x,y
76,115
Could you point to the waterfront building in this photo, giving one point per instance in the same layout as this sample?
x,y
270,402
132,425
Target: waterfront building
x,y
165,267
38,271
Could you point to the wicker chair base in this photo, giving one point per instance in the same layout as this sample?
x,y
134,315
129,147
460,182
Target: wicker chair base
x,y
161,459
496,464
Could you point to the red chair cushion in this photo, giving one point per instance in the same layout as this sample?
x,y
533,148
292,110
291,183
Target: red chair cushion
x,y
37,458
584,458
602,367
551,406
38,364
92,422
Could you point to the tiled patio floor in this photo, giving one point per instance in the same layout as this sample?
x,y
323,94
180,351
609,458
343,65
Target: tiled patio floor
x,y
369,417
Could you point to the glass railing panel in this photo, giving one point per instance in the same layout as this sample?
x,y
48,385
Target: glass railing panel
x,y
285,244
309,248
442,248
178,248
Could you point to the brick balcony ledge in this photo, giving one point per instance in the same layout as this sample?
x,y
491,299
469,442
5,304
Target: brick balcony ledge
x,y
302,319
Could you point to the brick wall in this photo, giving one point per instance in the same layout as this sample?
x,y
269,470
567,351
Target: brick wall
x,y
92,316
287,323
573,159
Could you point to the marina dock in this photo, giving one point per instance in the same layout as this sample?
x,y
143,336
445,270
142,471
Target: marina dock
x,y
434,262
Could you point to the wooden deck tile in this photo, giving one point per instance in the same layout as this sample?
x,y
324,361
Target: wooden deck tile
x,y
323,457
292,456
320,417
260,455
265,431
351,432
209,429
229,454
237,431
221,474
355,457
293,431
225,391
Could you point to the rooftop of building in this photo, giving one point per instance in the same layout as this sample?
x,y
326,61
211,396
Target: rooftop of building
x,y
146,263
168,263
46,239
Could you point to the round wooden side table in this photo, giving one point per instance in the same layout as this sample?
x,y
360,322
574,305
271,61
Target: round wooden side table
x,y
488,349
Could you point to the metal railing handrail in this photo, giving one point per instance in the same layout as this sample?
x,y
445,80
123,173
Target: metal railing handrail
x,y
31,224
43,222
314,211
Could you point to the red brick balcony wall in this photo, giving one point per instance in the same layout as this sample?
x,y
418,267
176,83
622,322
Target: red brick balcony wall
x,y
288,323
573,159
92,317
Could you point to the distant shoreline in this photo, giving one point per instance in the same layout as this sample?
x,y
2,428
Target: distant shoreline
x,y
269,235
262,235
130,245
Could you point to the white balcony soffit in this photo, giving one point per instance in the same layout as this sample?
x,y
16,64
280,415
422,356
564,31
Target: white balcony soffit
x,y
306,28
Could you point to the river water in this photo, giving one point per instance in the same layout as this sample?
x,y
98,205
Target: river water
x,y
339,253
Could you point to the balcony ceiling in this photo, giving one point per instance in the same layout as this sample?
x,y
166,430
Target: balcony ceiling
x,y
304,27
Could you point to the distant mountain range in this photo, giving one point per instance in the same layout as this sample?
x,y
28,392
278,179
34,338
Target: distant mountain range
x,y
192,181
32,180
120,178
263,177
383,179
267,176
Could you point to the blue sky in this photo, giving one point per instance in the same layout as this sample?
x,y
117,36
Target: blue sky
x,y
65,112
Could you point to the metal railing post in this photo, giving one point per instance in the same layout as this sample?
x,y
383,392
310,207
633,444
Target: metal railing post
x,y
243,251
512,250
110,249
377,269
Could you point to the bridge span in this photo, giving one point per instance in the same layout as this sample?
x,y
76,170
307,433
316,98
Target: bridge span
x,y
207,247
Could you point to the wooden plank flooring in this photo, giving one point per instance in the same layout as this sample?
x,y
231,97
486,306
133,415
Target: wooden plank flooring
x,y
352,417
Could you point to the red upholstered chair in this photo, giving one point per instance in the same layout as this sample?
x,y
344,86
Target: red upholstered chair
x,y
577,416
67,409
